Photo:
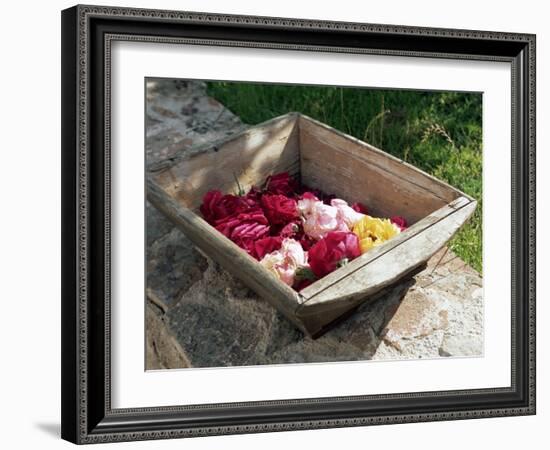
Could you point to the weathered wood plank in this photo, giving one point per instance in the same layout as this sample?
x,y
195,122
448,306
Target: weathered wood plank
x,y
389,266
355,171
376,252
349,177
227,253
382,159
249,157
317,324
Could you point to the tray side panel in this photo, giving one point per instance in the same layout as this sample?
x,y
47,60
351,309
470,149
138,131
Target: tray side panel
x,y
389,266
356,171
249,157
377,251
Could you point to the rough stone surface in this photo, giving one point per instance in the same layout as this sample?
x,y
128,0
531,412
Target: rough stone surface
x,y
157,225
207,318
173,265
180,116
162,350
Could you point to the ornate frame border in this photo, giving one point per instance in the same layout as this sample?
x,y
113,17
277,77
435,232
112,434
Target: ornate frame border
x,y
87,34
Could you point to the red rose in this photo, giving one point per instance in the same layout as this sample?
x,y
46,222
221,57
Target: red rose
x,y
294,230
244,228
290,230
309,192
281,183
359,207
308,195
253,197
400,222
336,248
266,245
216,206
279,209
307,242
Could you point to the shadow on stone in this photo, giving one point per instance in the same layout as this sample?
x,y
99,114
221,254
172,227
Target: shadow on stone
x,y
219,322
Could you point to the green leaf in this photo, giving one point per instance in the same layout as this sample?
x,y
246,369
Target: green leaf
x,y
304,273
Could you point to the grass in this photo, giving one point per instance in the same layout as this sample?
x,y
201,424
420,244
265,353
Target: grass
x,y
439,132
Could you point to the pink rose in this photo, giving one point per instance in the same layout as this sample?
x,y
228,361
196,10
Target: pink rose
x,y
336,248
319,219
306,203
283,263
400,222
346,213
294,251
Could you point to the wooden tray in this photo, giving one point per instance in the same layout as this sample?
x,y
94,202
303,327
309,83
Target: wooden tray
x,y
334,162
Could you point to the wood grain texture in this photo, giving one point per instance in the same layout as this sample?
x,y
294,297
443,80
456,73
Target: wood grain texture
x,y
355,171
249,157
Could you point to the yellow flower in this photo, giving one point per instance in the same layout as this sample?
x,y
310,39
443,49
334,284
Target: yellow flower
x,y
373,231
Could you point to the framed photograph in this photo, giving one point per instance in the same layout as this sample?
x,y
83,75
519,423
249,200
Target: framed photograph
x,y
281,224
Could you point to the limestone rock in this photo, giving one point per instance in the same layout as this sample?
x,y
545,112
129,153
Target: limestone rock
x,y
180,116
219,322
162,350
173,265
157,225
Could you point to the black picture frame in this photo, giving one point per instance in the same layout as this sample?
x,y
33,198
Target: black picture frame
x,y
87,33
